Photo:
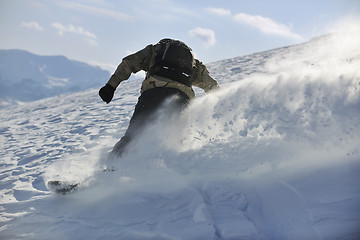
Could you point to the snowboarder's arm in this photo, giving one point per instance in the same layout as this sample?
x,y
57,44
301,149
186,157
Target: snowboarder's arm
x,y
202,78
132,64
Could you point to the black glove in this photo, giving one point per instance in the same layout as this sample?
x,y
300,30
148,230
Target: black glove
x,y
107,93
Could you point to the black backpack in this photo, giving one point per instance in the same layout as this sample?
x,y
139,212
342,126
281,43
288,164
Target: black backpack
x,y
173,60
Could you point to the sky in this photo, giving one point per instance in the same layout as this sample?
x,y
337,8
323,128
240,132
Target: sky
x,y
102,32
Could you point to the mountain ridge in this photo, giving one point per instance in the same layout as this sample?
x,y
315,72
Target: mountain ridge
x,y
25,76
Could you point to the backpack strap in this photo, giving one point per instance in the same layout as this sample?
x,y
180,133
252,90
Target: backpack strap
x,y
167,45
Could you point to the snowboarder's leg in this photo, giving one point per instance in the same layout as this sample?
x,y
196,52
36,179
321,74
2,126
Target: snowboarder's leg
x,y
143,109
144,113
120,147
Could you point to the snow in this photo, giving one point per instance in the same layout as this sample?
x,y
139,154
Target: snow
x,y
274,154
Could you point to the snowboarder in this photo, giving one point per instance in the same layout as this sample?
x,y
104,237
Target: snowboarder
x,y
171,71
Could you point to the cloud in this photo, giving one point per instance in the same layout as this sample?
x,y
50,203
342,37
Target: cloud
x,y
205,35
62,29
266,25
96,11
218,11
105,66
32,25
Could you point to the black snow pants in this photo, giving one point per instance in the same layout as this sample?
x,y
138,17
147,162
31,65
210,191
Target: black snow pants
x,y
145,113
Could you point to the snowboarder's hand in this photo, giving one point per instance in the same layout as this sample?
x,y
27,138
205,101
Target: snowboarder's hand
x,y
107,93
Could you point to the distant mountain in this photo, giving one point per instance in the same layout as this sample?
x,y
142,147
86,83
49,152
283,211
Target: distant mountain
x,y
27,77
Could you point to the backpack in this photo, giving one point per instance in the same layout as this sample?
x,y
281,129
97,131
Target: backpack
x,y
173,60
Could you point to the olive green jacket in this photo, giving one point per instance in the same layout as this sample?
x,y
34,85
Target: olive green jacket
x,y
145,59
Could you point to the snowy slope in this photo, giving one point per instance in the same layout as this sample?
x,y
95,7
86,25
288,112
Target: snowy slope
x,y
274,154
27,77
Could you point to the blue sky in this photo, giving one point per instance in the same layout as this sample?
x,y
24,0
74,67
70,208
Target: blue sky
x,y
102,32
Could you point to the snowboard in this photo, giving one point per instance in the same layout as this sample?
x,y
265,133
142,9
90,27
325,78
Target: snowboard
x,y
66,187
62,187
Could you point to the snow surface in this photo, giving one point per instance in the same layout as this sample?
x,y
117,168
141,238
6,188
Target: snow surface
x,y
274,154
